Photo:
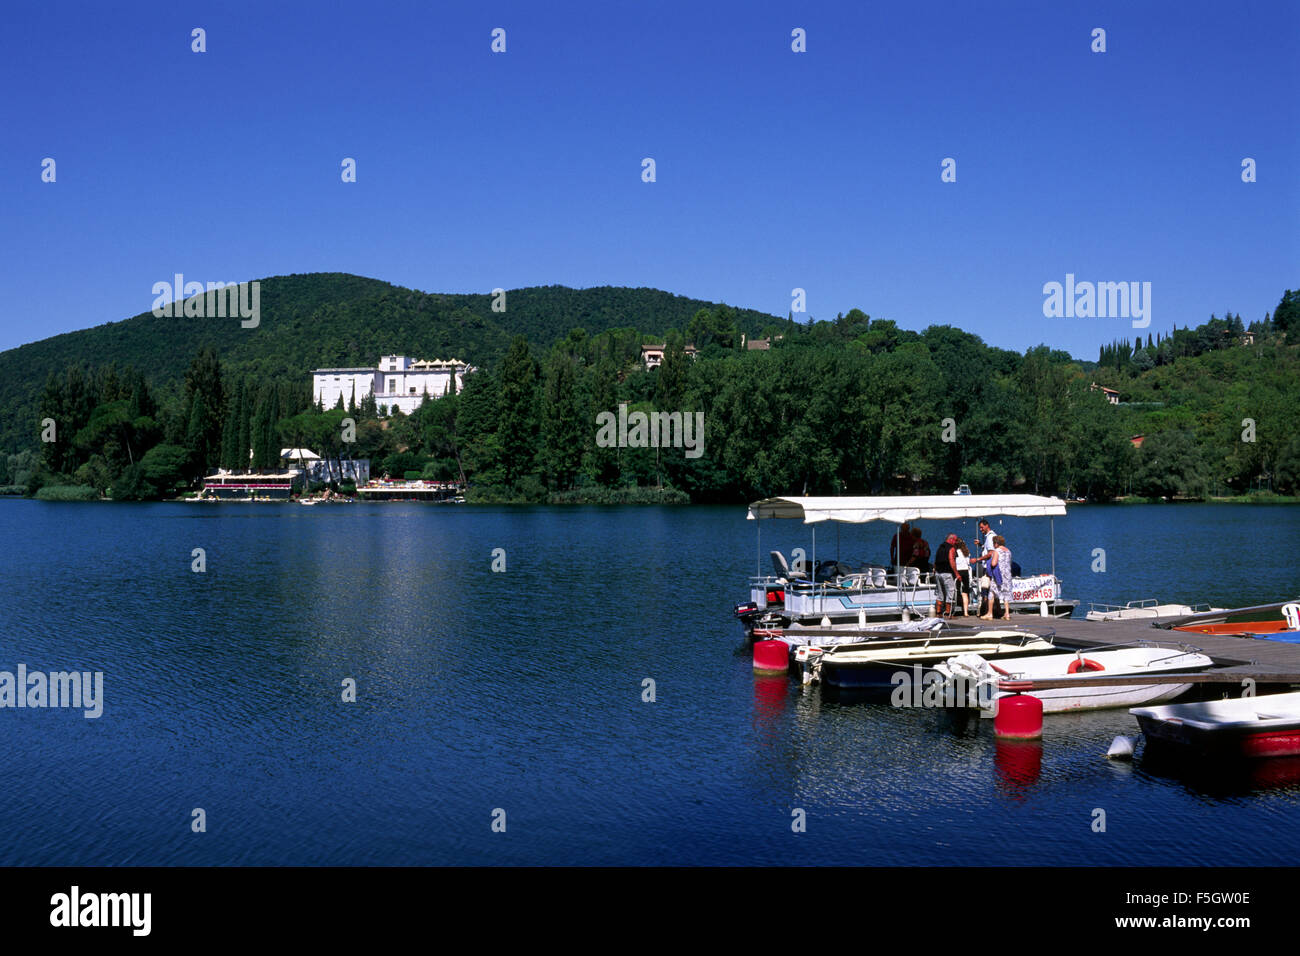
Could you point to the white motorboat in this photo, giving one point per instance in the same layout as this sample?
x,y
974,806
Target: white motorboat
x,y
1137,662
1265,726
873,663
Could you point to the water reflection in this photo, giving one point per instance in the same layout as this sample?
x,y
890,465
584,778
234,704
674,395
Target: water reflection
x,y
1018,765
1223,777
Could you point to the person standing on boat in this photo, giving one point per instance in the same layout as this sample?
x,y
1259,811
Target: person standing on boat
x,y
1001,560
920,551
946,572
984,547
904,535
961,567
986,540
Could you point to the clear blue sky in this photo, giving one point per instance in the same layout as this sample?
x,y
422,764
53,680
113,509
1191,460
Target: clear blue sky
x,y
819,170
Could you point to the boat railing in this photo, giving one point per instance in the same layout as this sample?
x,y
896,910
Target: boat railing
x,y
871,579
1177,646
1098,607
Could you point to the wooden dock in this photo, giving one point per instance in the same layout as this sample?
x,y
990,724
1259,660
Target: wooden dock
x,y
1235,658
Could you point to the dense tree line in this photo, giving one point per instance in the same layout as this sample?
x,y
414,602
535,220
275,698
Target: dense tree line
x,y
851,405
325,320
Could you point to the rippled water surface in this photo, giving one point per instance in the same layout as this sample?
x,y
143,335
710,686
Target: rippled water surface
x,y
523,691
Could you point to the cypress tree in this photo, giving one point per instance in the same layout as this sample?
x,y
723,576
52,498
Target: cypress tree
x,y
518,404
230,433
561,425
244,435
203,385
196,436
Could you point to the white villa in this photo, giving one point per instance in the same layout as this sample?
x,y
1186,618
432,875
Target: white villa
x,y
398,382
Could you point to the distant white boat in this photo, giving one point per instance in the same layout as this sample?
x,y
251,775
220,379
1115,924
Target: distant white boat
x,y
972,670
1147,609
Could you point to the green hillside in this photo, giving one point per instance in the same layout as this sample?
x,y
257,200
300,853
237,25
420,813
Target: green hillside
x,y
335,319
145,408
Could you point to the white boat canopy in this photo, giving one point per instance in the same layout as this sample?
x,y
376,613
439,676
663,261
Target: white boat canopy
x,y
900,508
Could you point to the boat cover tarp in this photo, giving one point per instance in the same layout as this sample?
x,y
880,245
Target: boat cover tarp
x,y
900,508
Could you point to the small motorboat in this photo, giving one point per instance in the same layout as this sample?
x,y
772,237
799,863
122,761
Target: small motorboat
x,y
973,671
873,664
795,636
1264,726
1278,622
1145,609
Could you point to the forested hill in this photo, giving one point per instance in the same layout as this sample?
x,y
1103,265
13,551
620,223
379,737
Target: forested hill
x,y
335,319
145,408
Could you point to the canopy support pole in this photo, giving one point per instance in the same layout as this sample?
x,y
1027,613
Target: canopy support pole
x,y
1055,595
898,565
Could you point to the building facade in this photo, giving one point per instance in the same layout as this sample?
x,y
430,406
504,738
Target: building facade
x,y
397,382
653,355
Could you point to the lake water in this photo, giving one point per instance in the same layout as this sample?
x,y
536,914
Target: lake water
x,y
479,691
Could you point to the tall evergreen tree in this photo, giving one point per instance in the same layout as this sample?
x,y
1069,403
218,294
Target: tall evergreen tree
x,y
479,425
562,440
203,387
518,430
196,436
265,438
1286,317
236,420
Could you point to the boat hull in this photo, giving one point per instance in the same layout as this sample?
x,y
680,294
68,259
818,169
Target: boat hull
x,y
1075,690
1064,700
1266,620
758,618
1248,728
880,673
1233,743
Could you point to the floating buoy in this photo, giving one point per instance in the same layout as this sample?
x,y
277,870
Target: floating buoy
x,y
1121,748
771,657
1019,717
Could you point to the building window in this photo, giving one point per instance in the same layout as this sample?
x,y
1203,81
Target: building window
x,y
392,385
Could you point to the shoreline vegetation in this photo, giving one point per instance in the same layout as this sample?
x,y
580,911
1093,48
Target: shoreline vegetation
x,y
636,496
850,406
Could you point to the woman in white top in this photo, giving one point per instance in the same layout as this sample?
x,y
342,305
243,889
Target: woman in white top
x,y
962,565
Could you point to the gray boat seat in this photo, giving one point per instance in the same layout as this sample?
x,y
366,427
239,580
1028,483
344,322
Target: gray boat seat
x,y
783,568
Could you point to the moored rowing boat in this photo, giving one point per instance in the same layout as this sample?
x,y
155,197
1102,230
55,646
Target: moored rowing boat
x,y
1265,726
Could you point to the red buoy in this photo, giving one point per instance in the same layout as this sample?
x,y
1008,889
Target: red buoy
x,y
1019,716
771,657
